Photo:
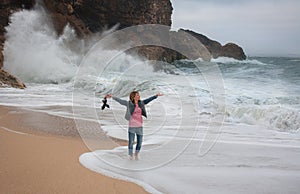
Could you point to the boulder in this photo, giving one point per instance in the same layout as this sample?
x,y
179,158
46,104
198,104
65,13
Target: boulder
x,y
217,50
7,80
232,50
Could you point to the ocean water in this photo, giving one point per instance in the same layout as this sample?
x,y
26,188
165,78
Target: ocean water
x,y
221,127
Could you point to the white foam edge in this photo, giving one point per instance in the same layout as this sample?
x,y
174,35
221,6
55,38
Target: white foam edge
x,y
84,159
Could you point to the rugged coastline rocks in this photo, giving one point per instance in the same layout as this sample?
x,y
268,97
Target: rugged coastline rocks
x,y
94,16
217,50
8,80
91,16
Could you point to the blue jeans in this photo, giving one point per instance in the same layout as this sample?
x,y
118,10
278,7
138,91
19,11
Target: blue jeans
x,y
131,137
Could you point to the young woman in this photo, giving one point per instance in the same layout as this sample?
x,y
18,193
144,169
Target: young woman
x,y
135,110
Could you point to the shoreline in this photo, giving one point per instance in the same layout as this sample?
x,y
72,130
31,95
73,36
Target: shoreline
x,y
33,160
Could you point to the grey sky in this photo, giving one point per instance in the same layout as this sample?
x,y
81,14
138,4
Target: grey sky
x,y
261,28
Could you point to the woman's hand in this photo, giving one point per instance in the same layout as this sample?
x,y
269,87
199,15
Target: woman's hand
x,y
108,96
159,94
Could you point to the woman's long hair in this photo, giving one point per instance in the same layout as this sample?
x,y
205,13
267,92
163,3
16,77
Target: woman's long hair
x,y
132,95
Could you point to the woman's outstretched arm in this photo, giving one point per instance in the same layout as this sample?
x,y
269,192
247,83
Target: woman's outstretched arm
x,y
146,101
122,102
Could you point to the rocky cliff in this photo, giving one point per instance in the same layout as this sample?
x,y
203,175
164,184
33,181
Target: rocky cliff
x,y
217,50
7,80
91,16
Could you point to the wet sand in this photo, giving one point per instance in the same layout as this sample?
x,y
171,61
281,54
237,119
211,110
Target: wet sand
x,y
39,154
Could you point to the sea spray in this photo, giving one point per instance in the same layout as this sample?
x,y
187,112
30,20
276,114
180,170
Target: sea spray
x,y
34,52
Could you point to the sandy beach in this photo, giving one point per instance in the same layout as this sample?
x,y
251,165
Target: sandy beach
x,y
33,160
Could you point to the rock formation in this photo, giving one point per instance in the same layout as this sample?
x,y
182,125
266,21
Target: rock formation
x,y
7,80
217,50
94,16
233,51
91,16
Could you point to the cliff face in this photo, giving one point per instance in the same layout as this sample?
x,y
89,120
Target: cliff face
x,y
91,16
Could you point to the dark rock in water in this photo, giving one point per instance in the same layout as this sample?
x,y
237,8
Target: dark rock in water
x,y
7,80
212,46
217,50
232,50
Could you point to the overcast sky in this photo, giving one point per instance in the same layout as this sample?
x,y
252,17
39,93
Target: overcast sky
x,y
260,27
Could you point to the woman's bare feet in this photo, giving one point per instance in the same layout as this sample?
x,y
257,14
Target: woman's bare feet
x,y
136,156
